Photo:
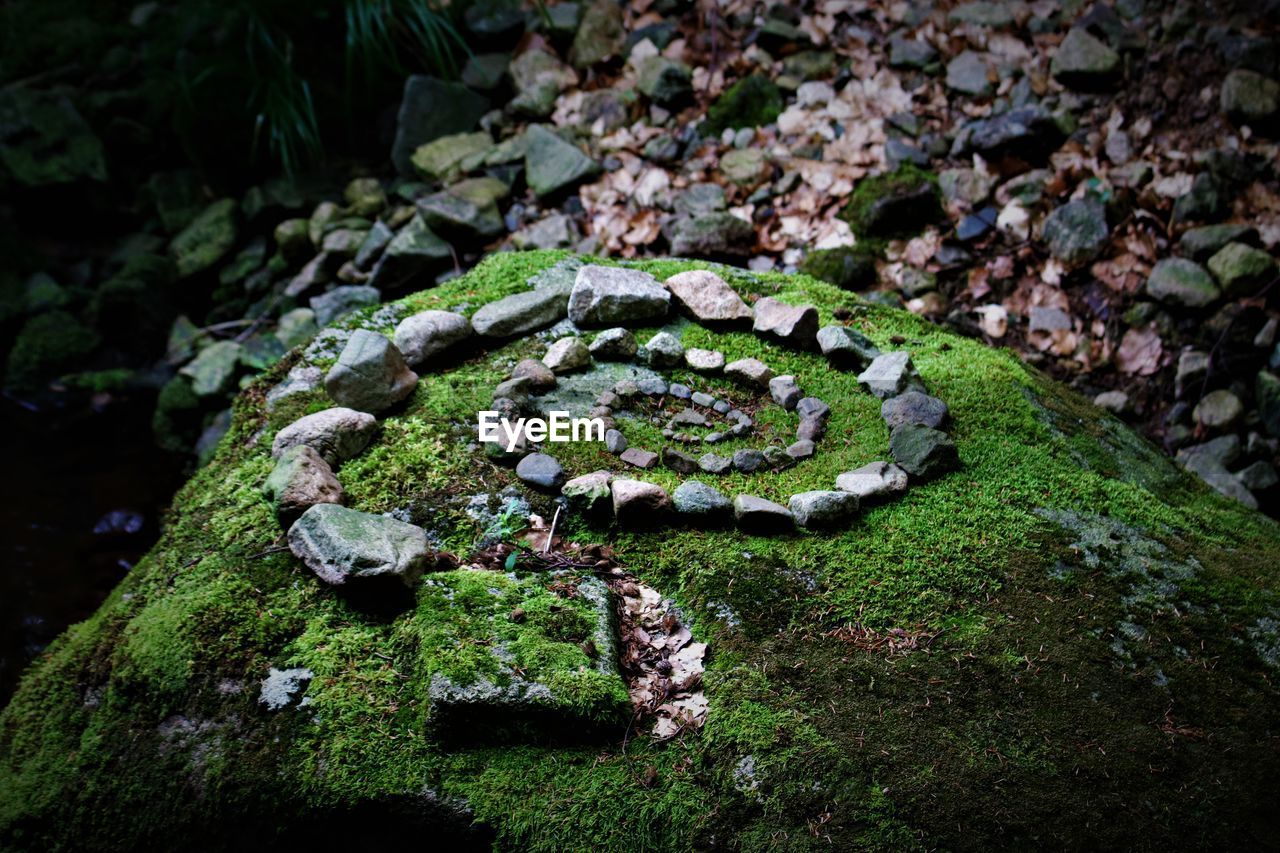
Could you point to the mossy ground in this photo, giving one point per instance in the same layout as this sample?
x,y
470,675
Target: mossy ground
x,y
1049,694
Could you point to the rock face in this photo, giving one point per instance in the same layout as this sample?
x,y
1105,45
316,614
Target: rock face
x,y
337,434
343,546
708,297
429,333
371,374
604,296
225,692
300,480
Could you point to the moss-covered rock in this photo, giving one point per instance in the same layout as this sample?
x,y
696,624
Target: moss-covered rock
x,y
1066,626
896,204
48,344
846,267
751,102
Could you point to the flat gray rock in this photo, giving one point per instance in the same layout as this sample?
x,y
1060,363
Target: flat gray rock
x,y
845,348
818,509
704,360
337,434
615,344
639,457
521,313
605,296
876,481
748,460
699,503
344,546
749,371
922,451
708,297
371,374
541,471
429,333
889,374
802,449
913,407
712,463
796,325
757,515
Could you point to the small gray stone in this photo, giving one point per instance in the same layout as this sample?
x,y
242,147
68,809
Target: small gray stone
x,y
428,333
913,407
968,73
616,344
1259,477
1177,281
822,509
846,349
370,375
1202,243
784,391
213,369
1249,97
552,165
300,480
690,417
721,406
606,295
876,481
1241,270
615,442
1084,62
538,375
638,457
698,503
590,492
701,398
811,428
747,460
337,434
566,355
796,325
638,505
1218,410
1116,402
1076,232
802,449
757,515
653,386
712,463
515,389
541,471
812,407
343,546
521,313
680,392
664,350
749,371
922,451
888,374
679,462
704,360
1193,367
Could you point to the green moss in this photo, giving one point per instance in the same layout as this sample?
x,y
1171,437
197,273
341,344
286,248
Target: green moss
x,y
751,102
847,267
48,344
895,204
175,424
955,670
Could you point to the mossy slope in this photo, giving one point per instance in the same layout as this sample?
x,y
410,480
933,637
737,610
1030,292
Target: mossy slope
x,y
1066,643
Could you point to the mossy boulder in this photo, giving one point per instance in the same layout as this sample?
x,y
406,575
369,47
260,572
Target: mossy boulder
x,y
1067,625
47,345
896,204
846,267
751,102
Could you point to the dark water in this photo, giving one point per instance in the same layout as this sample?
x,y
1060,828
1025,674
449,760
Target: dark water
x,y
69,467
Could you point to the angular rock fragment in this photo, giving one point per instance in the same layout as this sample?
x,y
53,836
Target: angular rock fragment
x,y
757,515
639,457
639,505
708,297
589,493
749,371
923,452
371,374
874,482
701,505
428,333
846,349
566,355
665,350
889,374
603,296
796,325
615,344
784,391
541,471
344,546
300,480
337,434
538,375
823,509
914,407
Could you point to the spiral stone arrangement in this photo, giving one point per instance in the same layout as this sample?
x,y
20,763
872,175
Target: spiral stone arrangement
x,y
373,374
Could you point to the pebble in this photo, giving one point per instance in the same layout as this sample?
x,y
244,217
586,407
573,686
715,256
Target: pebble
x,y
638,457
